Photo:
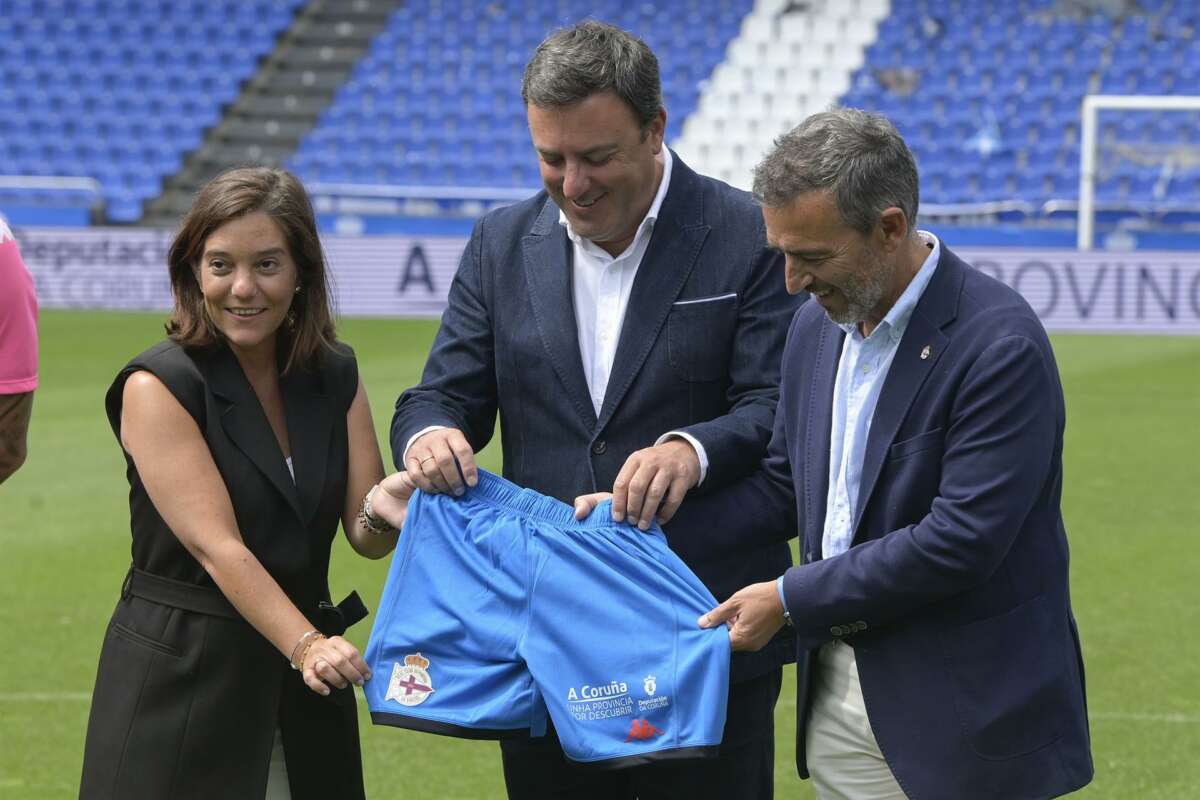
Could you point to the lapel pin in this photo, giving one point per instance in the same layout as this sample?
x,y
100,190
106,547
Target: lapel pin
x,y
925,351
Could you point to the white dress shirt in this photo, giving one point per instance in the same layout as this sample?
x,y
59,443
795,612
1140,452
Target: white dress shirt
x,y
601,287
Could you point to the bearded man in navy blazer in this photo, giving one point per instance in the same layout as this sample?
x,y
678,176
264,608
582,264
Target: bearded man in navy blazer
x,y
917,452
627,325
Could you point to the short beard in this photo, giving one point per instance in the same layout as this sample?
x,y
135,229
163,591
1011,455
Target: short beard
x,y
864,291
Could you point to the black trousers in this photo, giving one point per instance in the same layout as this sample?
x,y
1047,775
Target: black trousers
x,y
536,769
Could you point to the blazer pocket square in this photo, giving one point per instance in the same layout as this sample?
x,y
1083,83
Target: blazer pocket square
x,y
698,300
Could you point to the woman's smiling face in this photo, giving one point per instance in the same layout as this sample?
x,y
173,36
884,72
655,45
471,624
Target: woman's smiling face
x,y
248,278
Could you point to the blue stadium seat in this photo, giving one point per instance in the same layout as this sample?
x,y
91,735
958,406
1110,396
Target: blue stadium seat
x,y
465,100
1031,66
123,88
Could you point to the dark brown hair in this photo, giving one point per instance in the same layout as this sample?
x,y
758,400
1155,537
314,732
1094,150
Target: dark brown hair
x,y
574,63
234,194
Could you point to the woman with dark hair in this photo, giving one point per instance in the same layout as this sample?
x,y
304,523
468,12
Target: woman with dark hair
x,y
247,438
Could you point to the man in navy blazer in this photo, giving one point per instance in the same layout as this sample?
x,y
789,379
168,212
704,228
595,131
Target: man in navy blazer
x,y
917,452
626,324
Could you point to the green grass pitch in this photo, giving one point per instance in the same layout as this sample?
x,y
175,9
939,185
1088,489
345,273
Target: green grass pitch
x,y
1131,498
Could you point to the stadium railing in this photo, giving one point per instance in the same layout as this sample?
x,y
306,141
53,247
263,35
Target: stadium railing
x,y
52,200
413,201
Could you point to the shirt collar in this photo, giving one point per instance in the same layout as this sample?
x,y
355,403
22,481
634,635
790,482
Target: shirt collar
x,y
651,215
895,322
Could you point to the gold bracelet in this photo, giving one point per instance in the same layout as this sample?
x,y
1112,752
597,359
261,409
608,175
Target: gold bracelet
x,y
297,664
308,647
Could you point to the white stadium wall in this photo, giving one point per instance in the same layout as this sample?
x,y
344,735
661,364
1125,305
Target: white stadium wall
x,y
409,276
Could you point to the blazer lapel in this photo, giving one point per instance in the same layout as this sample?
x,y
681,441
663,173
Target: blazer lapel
x,y
675,244
310,424
548,272
817,433
911,365
246,424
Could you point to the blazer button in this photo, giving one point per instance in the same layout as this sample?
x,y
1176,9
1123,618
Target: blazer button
x,y
599,447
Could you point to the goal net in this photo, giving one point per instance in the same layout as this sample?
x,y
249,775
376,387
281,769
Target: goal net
x,y
1140,160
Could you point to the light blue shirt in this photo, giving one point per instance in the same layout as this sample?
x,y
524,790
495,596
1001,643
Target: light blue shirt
x,y
862,370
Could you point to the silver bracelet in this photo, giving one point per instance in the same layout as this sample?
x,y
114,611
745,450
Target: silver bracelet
x,y
372,523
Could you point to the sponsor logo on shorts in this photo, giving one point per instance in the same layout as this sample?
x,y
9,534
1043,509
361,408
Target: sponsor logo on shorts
x,y
411,684
590,692
650,686
592,702
641,730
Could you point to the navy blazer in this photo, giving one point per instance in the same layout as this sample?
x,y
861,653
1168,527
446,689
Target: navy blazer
x,y
699,351
954,593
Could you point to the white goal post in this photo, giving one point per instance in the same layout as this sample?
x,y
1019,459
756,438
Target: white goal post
x,y
1093,104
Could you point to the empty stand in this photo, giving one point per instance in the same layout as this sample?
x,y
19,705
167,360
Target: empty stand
x,y
152,98
281,102
988,94
121,90
436,101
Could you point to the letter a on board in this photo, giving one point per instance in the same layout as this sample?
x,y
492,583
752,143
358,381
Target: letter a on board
x,y
416,269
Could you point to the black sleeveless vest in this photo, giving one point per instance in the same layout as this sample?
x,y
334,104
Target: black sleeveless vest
x,y
188,696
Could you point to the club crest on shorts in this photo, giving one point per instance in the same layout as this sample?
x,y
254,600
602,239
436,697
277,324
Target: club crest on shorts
x,y
649,684
410,684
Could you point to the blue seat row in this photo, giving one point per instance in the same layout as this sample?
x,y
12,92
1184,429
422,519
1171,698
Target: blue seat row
x,y
421,108
995,114
122,90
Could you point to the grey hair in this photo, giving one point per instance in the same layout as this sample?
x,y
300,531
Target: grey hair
x,y
859,156
577,62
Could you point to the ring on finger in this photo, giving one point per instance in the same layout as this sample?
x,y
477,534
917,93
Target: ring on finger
x,y
429,457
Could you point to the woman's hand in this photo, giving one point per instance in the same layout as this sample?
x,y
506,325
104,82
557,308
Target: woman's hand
x,y
391,501
333,662
585,504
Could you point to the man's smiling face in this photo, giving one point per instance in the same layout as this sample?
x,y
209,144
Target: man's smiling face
x,y
824,256
599,165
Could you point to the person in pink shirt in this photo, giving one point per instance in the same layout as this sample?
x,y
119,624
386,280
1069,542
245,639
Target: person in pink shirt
x,y
18,353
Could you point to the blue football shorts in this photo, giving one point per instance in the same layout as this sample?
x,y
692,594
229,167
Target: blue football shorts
x,y
500,607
